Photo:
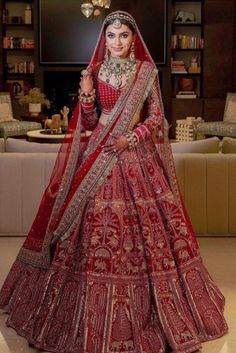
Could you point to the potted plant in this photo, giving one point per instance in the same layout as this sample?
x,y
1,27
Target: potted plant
x,y
35,98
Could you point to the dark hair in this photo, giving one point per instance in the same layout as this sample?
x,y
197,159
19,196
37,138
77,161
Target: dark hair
x,y
123,22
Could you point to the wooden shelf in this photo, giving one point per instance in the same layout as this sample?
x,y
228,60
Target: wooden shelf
x,y
187,49
17,55
19,49
19,75
187,24
18,25
26,1
186,1
185,74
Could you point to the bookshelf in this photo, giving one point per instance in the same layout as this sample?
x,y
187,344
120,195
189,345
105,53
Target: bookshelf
x,y
187,44
17,65
187,56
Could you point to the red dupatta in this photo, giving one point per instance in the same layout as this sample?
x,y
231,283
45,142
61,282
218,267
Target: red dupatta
x,y
72,182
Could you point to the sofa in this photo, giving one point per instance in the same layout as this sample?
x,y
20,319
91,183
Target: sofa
x,y
206,171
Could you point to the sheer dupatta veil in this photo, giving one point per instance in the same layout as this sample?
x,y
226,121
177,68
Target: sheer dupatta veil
x,y
75,177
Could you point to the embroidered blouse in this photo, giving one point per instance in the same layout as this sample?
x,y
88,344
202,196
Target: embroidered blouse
x,y
106,98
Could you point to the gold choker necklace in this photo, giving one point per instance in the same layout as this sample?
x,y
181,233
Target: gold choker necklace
x,y
116,69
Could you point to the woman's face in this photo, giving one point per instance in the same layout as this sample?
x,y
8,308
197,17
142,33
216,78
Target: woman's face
x,y
118,40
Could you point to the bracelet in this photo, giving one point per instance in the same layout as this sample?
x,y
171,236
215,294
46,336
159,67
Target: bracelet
x,y
87,97
132,139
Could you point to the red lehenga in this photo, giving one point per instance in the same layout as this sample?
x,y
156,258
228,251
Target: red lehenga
x,y
111,263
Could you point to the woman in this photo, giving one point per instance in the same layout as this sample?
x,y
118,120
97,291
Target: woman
x,y
111,263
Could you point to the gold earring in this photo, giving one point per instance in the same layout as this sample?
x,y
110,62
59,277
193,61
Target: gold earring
x,y
132,54
106,53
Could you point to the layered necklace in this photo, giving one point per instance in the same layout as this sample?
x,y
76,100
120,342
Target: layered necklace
x,y
117,71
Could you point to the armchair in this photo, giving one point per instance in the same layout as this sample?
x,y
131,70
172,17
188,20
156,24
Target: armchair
x,y
9,126
225,128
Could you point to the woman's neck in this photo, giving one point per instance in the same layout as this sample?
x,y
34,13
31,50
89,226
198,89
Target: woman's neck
x,y
119,59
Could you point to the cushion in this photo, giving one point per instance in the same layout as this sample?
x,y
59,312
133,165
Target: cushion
x,y
209,145
230,108
1,145
17,128
217,128
5,112
228,145
17,145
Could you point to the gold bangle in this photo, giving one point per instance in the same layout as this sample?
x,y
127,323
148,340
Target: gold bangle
x,y
87,97
132,139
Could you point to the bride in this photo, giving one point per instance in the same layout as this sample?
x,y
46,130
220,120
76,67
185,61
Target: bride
x,y
111,263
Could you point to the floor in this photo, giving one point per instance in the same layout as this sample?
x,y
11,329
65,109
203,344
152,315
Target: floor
x,y
219,255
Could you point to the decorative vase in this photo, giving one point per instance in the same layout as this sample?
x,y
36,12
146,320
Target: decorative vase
x,y
34,109
187,84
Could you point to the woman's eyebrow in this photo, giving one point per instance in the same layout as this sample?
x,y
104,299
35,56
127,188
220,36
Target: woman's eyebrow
x,y
125,32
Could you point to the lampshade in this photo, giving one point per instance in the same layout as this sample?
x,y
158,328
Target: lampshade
x,y
93,6
87,9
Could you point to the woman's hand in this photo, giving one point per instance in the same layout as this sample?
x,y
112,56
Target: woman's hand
x,y
120,145
86,82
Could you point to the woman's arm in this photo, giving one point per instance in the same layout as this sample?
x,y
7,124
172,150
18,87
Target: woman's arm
x,y
153,116
87,98
153,120
89,115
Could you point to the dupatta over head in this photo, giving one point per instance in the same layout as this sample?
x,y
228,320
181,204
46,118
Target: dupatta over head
x,y
76,177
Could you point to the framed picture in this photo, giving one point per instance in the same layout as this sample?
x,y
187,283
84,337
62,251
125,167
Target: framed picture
x,y
15,87
230,107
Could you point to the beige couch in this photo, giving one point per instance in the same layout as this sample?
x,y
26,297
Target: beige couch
x,y
207,180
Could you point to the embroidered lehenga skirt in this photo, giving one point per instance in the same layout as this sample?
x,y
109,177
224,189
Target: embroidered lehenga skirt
x,y
130,279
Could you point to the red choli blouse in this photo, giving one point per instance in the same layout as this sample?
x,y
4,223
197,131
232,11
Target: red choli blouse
x,y
107,96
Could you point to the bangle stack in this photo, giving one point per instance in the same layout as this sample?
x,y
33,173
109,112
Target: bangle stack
x,y
87,97
132,139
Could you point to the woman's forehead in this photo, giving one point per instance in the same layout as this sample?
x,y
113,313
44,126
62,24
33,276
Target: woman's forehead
x,y
122,29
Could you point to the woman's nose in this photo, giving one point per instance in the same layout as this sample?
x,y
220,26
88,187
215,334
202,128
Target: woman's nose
x,y
117,40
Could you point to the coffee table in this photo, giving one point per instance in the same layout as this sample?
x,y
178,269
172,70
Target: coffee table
x,y
39,136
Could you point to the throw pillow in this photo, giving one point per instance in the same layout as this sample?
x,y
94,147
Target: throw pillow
x,y
229,145
230,108
17,145
1,145
5,112
209,145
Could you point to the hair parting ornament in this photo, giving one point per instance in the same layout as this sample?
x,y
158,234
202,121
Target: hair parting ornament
x,y
116,19
117,23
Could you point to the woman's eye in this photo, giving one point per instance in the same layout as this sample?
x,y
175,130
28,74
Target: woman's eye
x,y
110,35
124,35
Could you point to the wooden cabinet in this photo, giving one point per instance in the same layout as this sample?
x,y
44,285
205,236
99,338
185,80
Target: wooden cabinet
x,y
219,60
18,43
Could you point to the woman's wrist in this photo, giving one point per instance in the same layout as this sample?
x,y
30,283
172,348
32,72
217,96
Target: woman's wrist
x,y
132,139
87,97
141,132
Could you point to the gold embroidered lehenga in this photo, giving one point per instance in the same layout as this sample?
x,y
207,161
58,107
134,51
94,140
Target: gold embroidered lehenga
x,y
111,263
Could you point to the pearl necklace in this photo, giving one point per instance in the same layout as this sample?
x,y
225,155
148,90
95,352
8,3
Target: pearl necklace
x,y
117,69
